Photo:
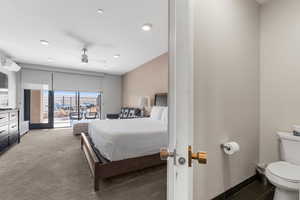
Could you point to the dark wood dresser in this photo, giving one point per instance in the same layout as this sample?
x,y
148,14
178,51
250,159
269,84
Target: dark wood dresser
x,y
9,129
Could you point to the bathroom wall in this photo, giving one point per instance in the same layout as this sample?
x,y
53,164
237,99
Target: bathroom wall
x,y
226,88
280,73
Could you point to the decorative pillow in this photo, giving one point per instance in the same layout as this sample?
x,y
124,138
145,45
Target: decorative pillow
x,y
165,115
125,113
156,112
122,113
131,113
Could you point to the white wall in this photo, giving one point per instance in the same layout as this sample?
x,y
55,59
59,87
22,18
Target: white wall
x,y
280,73
226,81
112,94
12,87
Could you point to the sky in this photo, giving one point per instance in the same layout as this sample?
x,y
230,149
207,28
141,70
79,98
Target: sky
x,y
82,94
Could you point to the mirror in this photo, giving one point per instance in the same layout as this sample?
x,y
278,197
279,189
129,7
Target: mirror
x,y
3,81
3,90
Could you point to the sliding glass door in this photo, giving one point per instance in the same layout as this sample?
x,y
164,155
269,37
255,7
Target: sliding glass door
x,y
65,105
90,105
73,106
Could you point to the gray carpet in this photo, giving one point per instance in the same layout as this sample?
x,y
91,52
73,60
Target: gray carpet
x,y
49,165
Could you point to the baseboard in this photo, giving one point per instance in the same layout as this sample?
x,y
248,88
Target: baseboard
x,y
236,188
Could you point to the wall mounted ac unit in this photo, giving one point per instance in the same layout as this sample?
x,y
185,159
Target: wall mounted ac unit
x,y
8,64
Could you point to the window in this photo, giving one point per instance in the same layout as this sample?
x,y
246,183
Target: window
x,y
73,106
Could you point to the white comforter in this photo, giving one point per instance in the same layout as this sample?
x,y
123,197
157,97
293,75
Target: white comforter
x,y
128,138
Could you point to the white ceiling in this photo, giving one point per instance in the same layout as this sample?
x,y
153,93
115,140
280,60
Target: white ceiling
x,y
70,24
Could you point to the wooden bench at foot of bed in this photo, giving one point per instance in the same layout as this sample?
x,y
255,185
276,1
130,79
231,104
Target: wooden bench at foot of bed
x,y
101,168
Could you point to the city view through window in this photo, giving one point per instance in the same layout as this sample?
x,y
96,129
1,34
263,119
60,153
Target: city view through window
x,y
71,107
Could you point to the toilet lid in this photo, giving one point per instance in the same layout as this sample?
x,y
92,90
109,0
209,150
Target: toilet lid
x,y
285,171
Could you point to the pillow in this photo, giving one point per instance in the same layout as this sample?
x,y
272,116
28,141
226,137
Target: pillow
x,y
156,112
165,115
131,113
124,113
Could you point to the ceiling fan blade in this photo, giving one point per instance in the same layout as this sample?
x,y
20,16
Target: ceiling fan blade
x,y
85,43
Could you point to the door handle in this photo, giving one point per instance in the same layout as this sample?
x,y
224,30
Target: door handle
x,y
201,157
165,154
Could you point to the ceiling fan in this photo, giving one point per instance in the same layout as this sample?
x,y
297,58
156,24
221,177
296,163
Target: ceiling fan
x,y
84,56
87,45
8,64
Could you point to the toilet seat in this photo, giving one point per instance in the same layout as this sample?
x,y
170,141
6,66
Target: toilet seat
x,y
284,175
286,171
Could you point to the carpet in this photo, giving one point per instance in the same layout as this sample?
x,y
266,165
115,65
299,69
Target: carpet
x,y
49,165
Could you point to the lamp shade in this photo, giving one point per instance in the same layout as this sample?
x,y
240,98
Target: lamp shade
x,y
143,102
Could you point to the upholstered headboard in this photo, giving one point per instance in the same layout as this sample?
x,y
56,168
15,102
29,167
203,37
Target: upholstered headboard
x,y
161,99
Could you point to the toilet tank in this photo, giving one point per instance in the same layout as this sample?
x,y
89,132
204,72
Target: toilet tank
x,y
290,147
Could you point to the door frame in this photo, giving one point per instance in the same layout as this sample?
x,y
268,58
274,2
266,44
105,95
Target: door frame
x,y
181,96
27,106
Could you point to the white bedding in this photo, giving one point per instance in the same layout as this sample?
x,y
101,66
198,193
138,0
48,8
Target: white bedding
x,y
128,138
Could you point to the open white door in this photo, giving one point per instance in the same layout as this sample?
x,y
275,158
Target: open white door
x,y
180,175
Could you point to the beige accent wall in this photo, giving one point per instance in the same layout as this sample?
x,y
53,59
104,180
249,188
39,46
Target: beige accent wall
x,y
226,87
280,73
146,80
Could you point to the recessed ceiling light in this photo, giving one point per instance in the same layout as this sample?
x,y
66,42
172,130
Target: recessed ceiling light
x,y
100,11
44,42
117,56
147,27
50,60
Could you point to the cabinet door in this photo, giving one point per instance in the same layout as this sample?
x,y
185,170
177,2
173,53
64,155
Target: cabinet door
x,y
3,130
3,142
3,117
13,132
13,116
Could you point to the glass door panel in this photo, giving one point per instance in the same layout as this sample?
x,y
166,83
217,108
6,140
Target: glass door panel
x,y
65,108
73,106
90,105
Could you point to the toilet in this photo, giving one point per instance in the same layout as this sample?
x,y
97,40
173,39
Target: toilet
x,y
285,174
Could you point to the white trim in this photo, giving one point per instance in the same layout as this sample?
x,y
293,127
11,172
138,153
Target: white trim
x,y
57,69
180,177
171,171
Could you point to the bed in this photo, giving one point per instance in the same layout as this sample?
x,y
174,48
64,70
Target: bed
x,y
116,147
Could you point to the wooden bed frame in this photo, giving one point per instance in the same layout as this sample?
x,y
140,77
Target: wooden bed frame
x,y
101,168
